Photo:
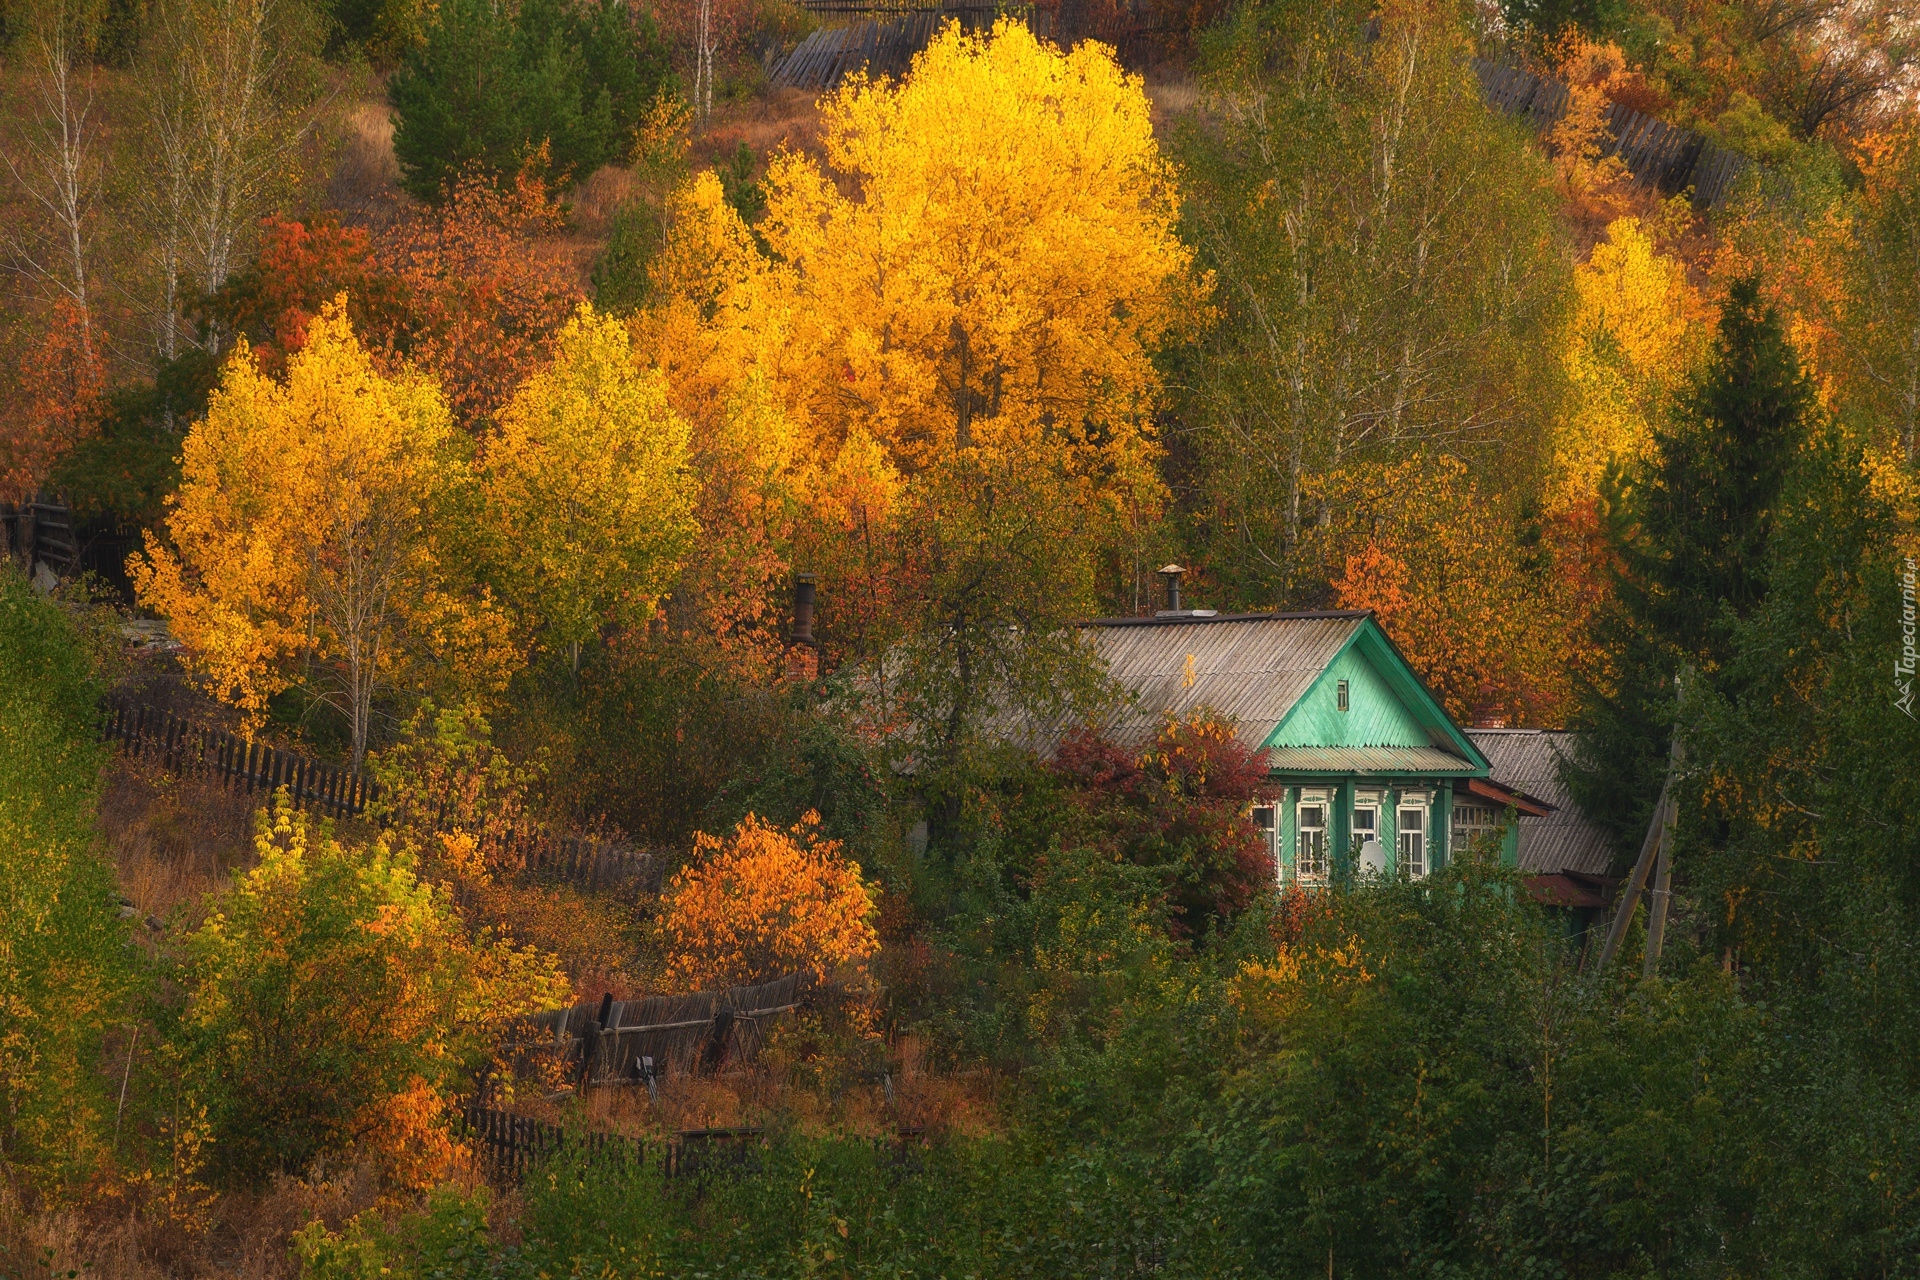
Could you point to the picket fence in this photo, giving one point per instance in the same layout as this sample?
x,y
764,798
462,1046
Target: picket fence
x,y
191,749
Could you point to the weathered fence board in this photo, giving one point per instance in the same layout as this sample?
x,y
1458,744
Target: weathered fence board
x,y
192,749
1669,159
509,1146
614,1041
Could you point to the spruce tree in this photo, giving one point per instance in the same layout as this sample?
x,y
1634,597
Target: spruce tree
x,y
492,85
1689,533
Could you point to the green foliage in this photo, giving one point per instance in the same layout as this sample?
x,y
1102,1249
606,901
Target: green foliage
x,y
814,763
129,467
1551,17
65,965
447,1240
621,278
744,193
1388,270
331,995
563,86
1690,534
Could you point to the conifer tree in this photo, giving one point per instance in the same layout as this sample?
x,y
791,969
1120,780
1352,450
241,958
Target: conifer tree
x,y
491,88
1689,533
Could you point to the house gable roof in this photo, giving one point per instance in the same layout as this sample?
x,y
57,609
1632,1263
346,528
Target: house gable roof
x,y
1275,676
1390,712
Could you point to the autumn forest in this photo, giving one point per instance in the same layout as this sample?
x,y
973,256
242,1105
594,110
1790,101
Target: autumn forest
x,y
576,576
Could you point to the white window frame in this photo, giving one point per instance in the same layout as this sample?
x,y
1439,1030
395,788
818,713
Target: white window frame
x,y
1270,830
1314,870
1473,819
1365,802
1415,862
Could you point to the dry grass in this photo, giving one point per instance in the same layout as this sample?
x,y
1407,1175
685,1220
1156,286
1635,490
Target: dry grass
x,y
116,1235
172,839
365,183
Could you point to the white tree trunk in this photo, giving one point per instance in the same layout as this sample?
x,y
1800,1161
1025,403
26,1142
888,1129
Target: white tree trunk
x,y
55,169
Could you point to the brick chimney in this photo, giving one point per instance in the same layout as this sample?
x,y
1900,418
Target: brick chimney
x,y
803,652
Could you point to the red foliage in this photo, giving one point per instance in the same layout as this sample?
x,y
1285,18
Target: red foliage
x,y
300,268
1184,806
57,402
487,285
1294,912
472,290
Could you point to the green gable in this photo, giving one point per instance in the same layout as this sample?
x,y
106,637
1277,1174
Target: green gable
x,y
1387,707
1375,715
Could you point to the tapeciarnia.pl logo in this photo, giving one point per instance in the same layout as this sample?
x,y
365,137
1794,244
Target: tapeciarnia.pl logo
x,y
1903,666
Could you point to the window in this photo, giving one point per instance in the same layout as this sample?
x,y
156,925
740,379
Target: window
x,y
1412,849
1366,822
1310,847
1265,820
1340,694
1473,822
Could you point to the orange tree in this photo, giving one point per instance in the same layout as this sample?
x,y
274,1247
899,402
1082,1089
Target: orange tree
x,y
765,902
1490,608
486,287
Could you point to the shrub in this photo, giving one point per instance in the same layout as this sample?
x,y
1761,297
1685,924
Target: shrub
x,y
65,967
333,998
1182,807
765,902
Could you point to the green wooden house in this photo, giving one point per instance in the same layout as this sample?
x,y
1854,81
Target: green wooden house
x,y
1368,770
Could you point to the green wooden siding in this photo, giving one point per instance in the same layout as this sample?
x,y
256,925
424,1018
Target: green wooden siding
x,y
1375,715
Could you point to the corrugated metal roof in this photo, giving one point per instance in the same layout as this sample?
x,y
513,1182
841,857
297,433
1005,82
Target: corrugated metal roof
x,y
1247,668
1529,760
1424,760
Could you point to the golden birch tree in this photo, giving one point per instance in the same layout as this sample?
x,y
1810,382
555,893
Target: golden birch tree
x,y
588,490
956,315
1633,335
303,546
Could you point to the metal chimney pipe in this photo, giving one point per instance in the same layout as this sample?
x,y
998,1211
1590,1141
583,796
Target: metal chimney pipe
x,y
804,586
1171,573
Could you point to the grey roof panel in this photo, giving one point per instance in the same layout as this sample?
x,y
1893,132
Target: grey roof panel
x,y
1250,670
1529,760
1367,760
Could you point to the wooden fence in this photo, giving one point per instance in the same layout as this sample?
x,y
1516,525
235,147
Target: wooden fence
x,y
191,749
185,747
508,1146
1669,159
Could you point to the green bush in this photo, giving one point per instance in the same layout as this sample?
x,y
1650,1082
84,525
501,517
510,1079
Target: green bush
x,y
333,998
66,966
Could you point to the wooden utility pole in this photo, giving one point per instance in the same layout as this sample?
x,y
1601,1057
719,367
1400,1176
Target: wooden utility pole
x,y
1658,842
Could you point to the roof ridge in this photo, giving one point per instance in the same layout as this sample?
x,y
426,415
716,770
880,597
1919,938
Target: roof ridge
x,y
1191,617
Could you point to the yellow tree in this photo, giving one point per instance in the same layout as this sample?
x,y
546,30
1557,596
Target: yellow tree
x,y
588,489
333,997
991,259
956,316
1632,337
765,902
302,546
1881,271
